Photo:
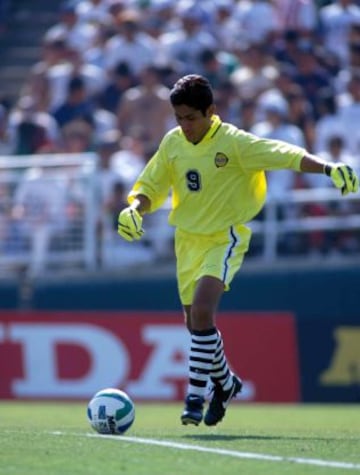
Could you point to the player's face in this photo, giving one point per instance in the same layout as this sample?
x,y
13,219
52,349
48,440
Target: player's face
x,y
193,122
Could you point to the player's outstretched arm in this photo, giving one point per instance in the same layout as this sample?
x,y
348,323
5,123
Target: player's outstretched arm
x,y
130,221
343,176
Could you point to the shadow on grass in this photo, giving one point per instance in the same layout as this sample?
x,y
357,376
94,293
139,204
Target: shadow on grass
x,y
215,437
218,437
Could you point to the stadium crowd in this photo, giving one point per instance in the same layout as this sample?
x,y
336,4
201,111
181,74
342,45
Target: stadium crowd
x,y
284,69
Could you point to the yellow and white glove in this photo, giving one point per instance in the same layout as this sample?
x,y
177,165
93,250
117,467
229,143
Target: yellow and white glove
x,y
343,177
130,224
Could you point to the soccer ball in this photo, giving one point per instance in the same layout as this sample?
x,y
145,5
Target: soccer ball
x,y
111,411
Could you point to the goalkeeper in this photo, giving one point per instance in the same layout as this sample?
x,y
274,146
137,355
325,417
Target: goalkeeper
x,y
216,175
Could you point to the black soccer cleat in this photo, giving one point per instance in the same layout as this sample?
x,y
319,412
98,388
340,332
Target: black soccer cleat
x,y
193,411
220,401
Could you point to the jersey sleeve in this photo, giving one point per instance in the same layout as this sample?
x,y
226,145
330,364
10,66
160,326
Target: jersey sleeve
x,y
154,181
268,154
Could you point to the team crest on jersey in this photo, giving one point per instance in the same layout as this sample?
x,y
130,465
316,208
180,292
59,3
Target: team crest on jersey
x,y
220,160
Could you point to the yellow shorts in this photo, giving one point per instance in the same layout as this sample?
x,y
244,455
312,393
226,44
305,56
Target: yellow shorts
x,y
219,255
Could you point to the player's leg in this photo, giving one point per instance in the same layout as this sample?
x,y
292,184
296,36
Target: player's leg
x,y
220,373
226,385
225,260
200,317
205,268
190,251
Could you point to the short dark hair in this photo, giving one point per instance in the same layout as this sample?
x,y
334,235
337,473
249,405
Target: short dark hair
x,y
194,91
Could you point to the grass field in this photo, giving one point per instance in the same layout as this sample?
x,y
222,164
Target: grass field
x,y
56,438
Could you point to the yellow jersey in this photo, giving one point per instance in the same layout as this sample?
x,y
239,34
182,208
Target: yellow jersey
x,y
216,183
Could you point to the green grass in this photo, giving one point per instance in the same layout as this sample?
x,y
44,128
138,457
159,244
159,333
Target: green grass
x,y
326,432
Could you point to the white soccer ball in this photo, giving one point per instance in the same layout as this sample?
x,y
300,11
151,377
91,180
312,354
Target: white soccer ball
x,y
111,411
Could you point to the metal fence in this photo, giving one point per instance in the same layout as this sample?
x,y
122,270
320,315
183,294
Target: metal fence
x,y
50,211
309,222
47,212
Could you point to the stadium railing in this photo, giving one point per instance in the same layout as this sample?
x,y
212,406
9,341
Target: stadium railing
x,y
333,221
49,211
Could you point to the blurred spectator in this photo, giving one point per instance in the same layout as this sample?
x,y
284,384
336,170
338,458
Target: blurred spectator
x,y
257,21
159,18
337,241
115,202
53,52
115,7
59,76
129,159
107,176
256,73
77,104
335,23
333,151
92,12
116,172
117,164
284,82
301,114
329,122
77,137
185,45
227,102
248,108
297,15
275,126
280,183
130,45
349,114
146,108
285,48
104,121
95,54
121,80
216,66
31,130
225,27
115,252
40,210
78,35
310,74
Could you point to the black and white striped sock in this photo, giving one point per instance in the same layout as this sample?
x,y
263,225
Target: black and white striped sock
x,y
220,372
202,352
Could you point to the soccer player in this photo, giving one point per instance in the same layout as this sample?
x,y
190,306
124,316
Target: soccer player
x,y
216,174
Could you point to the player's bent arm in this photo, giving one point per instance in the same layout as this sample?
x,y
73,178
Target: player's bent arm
x,y
142,204
342,175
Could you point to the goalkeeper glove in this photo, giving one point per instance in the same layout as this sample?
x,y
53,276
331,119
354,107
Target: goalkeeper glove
x,y
343,177
130,224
